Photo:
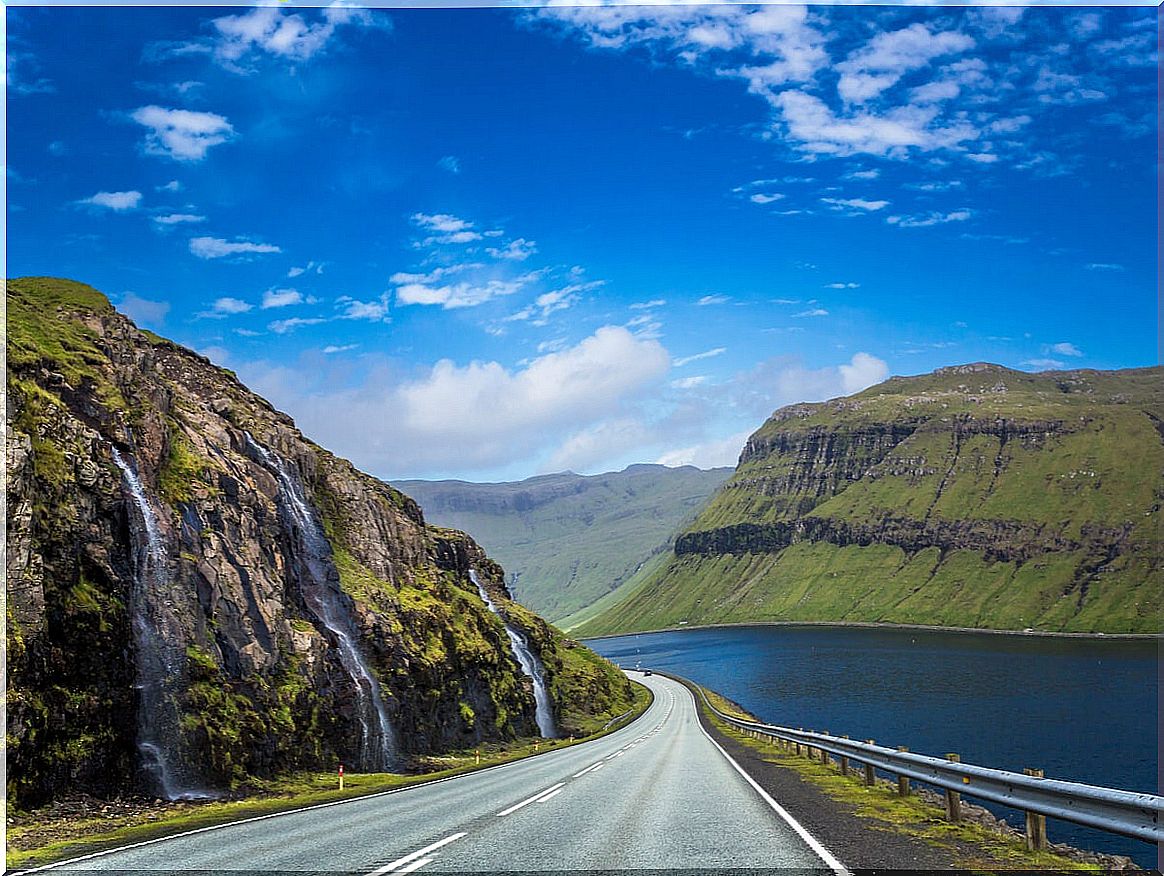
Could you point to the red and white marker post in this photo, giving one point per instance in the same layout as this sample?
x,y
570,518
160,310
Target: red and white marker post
x,y
341,776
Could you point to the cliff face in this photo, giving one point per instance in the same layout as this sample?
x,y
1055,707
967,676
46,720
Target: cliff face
x,y
973,496
187,571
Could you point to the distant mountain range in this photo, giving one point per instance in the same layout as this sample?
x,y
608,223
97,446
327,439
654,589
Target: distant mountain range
x,y
974,496
567,540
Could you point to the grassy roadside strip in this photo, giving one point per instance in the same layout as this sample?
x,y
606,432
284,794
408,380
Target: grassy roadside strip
x,y
973,846
32,842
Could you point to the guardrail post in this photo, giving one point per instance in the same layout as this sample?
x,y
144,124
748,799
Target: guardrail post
x,y
903,781
844,762
1036,824
797,743
824,755
870,778
953,798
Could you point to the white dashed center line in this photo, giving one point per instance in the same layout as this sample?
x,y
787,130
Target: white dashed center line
x,y
532,799
417,859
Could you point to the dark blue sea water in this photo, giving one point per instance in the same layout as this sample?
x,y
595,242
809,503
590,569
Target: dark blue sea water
x,y
1080,709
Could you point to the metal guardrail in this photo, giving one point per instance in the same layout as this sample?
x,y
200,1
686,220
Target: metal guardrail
x,y
1127,813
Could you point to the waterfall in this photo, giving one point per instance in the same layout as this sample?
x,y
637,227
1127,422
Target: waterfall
x,y
319,586
530,665
159,638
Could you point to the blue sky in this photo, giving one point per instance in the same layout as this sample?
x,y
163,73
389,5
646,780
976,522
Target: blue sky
x,y
490,243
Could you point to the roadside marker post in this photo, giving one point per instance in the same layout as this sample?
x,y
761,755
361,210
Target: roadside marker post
x,y
341,776
953,798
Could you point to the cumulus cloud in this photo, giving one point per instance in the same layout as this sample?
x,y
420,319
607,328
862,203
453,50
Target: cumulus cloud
x,y
289,36
765,197
118,202
183,135
710,454
217,248
516,250
371,311
227,306
1064,348
281,298
480,414
888,56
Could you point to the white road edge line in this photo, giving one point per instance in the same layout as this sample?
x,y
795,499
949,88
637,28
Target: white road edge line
x,y
529,800
420,853
813,843
362,798
551,795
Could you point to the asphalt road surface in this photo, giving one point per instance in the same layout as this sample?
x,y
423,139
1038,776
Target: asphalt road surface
x,y
658,794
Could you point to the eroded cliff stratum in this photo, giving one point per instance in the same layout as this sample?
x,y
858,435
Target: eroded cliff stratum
x,y
198,594
975,496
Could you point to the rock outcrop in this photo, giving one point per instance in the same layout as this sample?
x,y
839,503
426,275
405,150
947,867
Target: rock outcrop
x,y
257,680
974,496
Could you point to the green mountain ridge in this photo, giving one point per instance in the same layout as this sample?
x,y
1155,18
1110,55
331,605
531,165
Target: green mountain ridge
x,y
975,496
569,540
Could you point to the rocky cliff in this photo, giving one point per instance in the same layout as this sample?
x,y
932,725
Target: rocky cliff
x,y
974,496
198,594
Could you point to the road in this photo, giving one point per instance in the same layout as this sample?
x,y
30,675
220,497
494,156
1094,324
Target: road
x,y
657,794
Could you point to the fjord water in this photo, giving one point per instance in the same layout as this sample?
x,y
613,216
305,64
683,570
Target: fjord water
x,y
1081,709
530,665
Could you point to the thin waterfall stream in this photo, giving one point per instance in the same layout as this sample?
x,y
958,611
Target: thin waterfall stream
x,y
159,650
530,665
319,586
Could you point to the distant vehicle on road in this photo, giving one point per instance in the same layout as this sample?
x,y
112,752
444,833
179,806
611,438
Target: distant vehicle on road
x,y
646,672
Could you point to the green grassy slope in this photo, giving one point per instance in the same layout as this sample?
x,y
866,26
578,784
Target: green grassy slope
x,y
568,540
975,496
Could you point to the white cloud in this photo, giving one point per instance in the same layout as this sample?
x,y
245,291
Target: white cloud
x,y
119,202
217,248
229,306
480,414
706,354
888,56
1104,266
285,35
373,311
982,157
183,135
516,250
712,299
1065,348
316,267
863,174
143,311
331,349
451,296
855,204
444,222
1043,364
283,326
842,285
281,298
815,311
711,454
178,219
927,219
765,198
450,163
689,382
172,186
862,372
648,305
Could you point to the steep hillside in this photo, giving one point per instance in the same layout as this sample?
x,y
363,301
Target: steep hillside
x,y
198,594
974,496
567,540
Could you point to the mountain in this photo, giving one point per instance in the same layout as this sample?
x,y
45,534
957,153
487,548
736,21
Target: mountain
x,y
198,594
975,496
567,540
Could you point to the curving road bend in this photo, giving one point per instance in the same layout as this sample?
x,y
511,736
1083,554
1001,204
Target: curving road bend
x,y
657,794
